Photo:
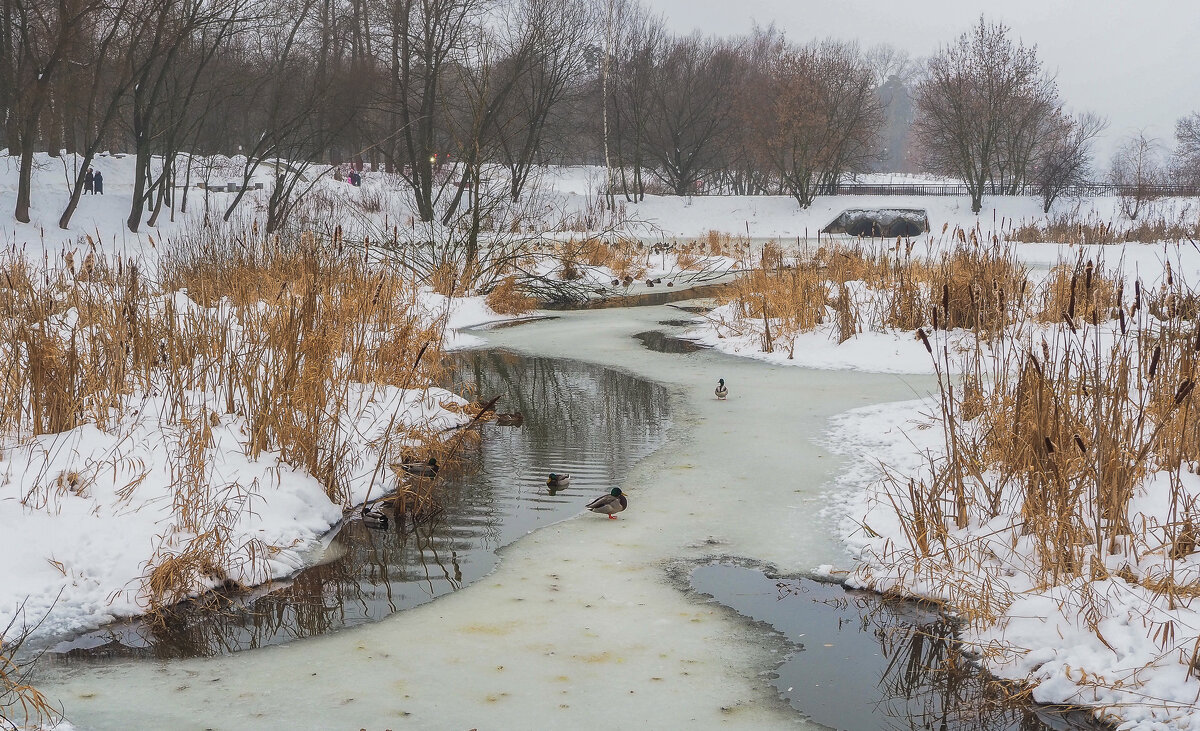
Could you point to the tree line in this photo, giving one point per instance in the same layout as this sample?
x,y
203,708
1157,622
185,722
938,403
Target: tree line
x,y
443,93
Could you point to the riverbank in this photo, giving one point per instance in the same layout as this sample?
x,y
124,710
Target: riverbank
x,y
576,627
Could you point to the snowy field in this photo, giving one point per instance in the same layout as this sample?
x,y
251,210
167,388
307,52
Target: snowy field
x,y
90,572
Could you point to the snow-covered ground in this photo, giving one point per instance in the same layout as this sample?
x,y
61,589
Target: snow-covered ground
x,y
86,544
563,192
87,511
1132,667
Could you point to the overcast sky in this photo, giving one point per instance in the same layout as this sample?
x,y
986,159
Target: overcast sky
x,y
1136,62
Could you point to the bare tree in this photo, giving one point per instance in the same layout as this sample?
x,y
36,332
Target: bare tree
x,y
1064,155
560,32
184,37
1185,162
424,40
38,39
887,62
1137,171
105,69
691,110
823,121
966,104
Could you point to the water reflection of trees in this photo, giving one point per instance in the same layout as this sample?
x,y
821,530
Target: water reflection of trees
x,y
585,408
573,411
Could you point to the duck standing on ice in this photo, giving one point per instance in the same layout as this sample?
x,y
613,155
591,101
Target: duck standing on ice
x,y
613,502
722,392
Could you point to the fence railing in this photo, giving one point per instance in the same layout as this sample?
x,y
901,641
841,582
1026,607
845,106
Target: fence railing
x,y
958,189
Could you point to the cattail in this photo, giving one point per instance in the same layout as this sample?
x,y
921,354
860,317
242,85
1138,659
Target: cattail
x,y
1049,445
1154,360
1137,296
1185,387
935,321
924,340
1071,306
1080,443
1037,367
1087,280
1196,345
1067,318
946,298
1170,280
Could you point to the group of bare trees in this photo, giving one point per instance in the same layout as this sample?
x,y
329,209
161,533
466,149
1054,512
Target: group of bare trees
x,y
988,113
451,95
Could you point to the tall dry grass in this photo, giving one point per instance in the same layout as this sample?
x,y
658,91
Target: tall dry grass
x,y
1063,429
293,335
979,286
21,704
1070,227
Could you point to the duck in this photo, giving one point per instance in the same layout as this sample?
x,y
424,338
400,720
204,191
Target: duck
x,y
556,480
616,282
373,518
514,419
610,504
721,391
420,469
628,280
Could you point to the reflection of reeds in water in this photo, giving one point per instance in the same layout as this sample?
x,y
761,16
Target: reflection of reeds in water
x,y
376,573
293,335
926,681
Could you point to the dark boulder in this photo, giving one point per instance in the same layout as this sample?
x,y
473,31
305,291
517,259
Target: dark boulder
x,y
879,222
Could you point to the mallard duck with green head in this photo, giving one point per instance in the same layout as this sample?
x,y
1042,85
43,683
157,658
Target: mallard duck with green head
x,y
610,504
721,391
556,480
420,469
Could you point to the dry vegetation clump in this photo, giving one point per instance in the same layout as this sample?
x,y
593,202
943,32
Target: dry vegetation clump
x,y
1071,228
719,243
21,704
1080,289
979,287
302,342
507,298
624,257
1065,436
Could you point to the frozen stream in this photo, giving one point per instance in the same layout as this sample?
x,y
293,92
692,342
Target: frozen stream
x,y
579,625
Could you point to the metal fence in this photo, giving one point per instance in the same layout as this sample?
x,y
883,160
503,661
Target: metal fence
x,y
958,189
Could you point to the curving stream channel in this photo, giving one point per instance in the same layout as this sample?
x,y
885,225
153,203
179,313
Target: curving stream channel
x,y
644,621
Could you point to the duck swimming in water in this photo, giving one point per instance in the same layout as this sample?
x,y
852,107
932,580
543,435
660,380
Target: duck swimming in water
x,y
556,480
514,419
420,469
614,502
721,391
373,518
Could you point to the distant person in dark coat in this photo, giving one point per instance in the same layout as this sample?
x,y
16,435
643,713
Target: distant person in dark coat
x,y
98,183
89,179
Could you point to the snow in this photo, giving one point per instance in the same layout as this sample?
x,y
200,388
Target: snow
x,y
86,510
877,352
576,615
1123,667
84,548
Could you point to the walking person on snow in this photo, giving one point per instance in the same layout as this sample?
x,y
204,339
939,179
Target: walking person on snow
x,y
88,181
98,183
